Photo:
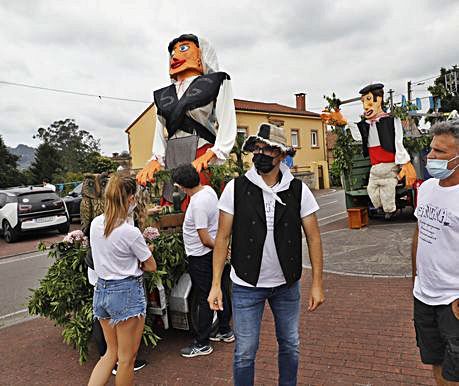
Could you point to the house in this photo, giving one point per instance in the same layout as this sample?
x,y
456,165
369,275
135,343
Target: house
x,y
304,130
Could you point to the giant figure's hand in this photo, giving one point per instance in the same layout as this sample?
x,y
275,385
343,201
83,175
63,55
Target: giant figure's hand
x,y
409,173
202,161
333,118
147,173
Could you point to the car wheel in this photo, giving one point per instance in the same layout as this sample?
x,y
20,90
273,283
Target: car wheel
x,y
64,228
9,234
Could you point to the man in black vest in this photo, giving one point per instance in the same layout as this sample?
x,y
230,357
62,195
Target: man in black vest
x,y
382,141
262,212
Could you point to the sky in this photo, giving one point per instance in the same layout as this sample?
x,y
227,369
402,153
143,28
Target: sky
x,y
271,49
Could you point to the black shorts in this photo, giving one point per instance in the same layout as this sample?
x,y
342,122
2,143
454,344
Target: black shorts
x,y
437,336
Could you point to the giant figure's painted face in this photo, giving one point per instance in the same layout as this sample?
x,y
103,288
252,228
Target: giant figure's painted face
x,y
371,107
185,60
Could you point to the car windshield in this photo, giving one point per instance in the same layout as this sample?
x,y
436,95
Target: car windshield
x,y
77,189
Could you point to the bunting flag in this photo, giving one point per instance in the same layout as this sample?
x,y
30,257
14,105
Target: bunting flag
x,y
403,101
431,103
418,104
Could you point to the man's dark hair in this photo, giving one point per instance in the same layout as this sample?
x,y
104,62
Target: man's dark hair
x,y
46,180
186,176
378,93
376,89
182,38
448,127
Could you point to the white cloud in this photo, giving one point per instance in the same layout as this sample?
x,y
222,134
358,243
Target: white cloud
x,y
271,49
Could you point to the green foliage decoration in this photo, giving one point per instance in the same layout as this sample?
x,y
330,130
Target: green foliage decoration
x,y
169,253
333,102
65,296
344,148
402,112
416,144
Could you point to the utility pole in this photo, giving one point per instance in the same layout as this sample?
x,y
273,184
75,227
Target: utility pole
x,y
451,80
391,99
409,91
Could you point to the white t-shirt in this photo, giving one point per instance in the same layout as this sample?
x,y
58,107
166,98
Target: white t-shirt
x,y
271,274
117,256
202,213
50,186
437,258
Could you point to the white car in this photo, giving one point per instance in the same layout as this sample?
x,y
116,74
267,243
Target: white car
x,y
30,209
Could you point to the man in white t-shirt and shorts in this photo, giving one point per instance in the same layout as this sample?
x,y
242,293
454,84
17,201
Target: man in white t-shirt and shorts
x,y
263,213
435,253
199,231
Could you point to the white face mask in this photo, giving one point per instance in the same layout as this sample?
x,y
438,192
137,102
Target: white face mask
x,y
438,168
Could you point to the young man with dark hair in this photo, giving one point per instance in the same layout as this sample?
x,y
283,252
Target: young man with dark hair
x,y
436,259
263,213
199,231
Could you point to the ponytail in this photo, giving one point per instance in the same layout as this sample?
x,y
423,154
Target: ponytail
x,y
117,193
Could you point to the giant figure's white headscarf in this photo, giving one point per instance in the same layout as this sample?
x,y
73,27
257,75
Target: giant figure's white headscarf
x,y
208,56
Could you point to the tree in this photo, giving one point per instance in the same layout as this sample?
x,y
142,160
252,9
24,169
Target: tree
x,y
449,99
45,165
97,163
72,144
9,173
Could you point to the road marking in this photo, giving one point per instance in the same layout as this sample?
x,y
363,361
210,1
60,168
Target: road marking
x,y
333,215
328,203
13,260
14,313
329,194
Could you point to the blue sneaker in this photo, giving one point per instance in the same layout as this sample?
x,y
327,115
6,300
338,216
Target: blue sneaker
x,y
195,349
227,337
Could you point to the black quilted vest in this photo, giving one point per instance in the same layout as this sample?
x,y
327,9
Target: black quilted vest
x,y
386,134
249,231
202,90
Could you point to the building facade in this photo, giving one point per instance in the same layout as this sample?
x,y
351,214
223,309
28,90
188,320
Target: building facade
x,y
304,130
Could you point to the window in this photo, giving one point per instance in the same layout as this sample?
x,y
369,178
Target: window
x,y
314,138
295,138
242,131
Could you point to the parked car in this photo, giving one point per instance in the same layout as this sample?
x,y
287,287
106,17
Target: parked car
x,y
30,209
73,200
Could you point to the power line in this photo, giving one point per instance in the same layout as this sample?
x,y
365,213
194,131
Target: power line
x,y
423,80
74,92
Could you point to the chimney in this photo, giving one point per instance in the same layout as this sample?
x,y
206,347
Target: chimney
x,y
301,101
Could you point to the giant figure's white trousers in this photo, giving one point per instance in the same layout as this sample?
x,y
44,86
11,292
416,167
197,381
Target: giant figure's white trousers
x,y
381,186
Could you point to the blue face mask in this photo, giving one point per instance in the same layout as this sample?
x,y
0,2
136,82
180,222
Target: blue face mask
x,y
438,168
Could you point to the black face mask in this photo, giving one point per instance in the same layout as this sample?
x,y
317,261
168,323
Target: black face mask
x,y
263,163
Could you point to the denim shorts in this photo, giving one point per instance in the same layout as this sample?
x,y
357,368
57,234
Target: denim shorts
x,y
119,300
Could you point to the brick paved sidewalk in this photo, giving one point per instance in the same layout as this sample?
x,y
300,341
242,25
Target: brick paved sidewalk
x,y
362,335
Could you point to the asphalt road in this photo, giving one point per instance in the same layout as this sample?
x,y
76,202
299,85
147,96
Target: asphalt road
x,y
332,206
23,271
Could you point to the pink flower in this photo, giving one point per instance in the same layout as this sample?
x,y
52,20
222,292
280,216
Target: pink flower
x,y
74,236
150,233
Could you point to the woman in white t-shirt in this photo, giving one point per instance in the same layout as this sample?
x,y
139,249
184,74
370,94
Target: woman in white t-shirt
x,y
120,256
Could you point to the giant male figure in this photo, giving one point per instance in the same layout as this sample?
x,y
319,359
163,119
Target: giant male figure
x,y
196,120
382,141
